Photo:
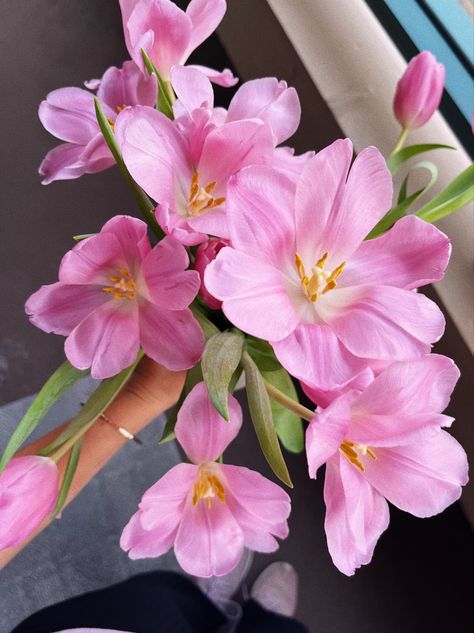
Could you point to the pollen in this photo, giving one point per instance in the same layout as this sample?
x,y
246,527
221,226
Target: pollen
x,y
208,487
320,282
353,452
123,285
200,198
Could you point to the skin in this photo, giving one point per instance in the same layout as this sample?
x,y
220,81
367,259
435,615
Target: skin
x,y
151,390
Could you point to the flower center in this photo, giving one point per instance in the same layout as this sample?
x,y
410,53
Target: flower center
x,y
320,281
208,486
354,452
200,198
124,285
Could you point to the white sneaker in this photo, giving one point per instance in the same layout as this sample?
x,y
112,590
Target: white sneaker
x,y
276,589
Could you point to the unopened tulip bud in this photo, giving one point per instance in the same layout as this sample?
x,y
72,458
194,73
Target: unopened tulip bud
x,y
419,91
205,254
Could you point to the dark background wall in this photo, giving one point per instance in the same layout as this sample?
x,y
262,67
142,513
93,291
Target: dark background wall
x,y
418,580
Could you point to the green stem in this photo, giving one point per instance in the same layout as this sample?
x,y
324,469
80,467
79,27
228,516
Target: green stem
x,y
288,402
64,448
400,141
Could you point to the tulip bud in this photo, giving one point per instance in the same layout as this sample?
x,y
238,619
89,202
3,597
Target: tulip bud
x,y
419,91
28,492
205,254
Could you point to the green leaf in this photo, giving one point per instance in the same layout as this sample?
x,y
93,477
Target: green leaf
x,y
56,385
261,414
163,103
220,359
193,376
395,161
94,407
263,354
143,201
404,201
455,196
289,426
207,326
71,468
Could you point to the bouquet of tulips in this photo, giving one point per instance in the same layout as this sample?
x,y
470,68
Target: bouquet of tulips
x,y
250,262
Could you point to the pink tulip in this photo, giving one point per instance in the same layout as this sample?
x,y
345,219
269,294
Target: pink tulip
x,y
208,511
117,293
29,489
169,35
419,91
69,114
382,443
190,189
205,254
300,275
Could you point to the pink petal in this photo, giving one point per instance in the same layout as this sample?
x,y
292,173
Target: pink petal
x,y
127,86
106,340
254,297
313,354
255,197
224,78
177,227
201,430
323,397
172,338
141,543
260,507
92,260
132,235
213,222
154,151
327,431
271,101
192,88
28,492
423,477
59,307
96,155
168,31
209,540
168,284
285,160
383,322
356,516
412,254
205,16
232,147
62,163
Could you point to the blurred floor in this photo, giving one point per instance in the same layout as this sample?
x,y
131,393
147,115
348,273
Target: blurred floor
x,y
419,579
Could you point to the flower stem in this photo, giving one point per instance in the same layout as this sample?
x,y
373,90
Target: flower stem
x,y
400,141
288,403
64,448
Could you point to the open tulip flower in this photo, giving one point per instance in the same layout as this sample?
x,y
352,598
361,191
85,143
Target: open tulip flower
x,y
69,114
116,293
207,510
328,301
169,35
386,442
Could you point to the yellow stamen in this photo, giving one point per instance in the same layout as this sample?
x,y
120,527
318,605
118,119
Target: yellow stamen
x,y
320,281
123,285
200,198
354,451
120,108
208,486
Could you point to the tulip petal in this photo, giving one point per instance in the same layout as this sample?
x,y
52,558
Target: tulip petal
x,y
201,430
224,78
254,297
192,88
62,163
205,16
412,254
132,234
68,114
92,260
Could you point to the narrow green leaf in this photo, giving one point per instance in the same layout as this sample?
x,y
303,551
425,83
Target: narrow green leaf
x,y
289,426
404,201
219,361
83,236
261,414
263,354
94,407
207,326
193,376
71,468
56,385
163,103
143,201
456,195
395,161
